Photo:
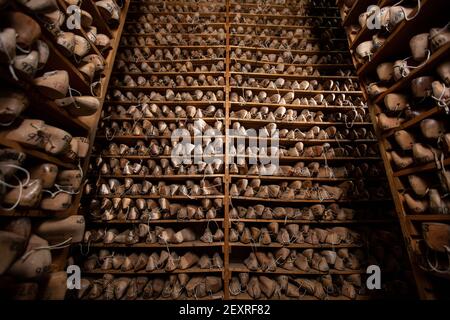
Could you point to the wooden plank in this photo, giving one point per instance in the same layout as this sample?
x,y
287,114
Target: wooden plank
x,y
187,244
437,57
423,168
238,268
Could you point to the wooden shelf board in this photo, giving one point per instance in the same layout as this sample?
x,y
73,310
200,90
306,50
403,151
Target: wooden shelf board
x,y
294,245
426,167
144,272
289,221
118,222
239,267
237,198
187,244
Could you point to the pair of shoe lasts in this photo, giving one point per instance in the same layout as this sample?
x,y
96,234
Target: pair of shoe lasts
x,y
71,44
91,65
35,133
306,261
436,236
27,255
422,187
431,129
27,64
190,188
29,194
109,10
153,110
421,153
314,212
292,233
424,43
138,262
435,204
167,81
366,49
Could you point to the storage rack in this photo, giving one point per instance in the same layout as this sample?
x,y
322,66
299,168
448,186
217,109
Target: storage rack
x,y
432,14
45,109
235,252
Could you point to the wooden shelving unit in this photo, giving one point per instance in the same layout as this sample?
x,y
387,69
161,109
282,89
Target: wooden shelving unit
x,y
431,15
47,110
234,253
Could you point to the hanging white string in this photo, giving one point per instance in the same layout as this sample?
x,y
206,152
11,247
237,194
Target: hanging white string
x,y
64,244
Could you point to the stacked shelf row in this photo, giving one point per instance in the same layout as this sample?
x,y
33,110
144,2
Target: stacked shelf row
x,y
51,100
412,53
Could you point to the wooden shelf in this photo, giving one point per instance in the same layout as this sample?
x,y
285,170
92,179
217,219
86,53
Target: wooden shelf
x,y
238,268
295,245
303,92
144,272
303,297
428,217
235,105
315,65
306,52
297,124
282,27
161,221
165,177
187,244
